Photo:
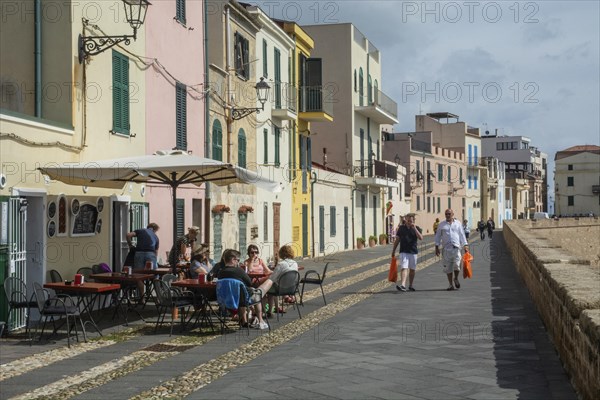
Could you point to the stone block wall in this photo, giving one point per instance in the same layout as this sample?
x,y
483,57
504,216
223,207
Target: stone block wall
x,y
566,291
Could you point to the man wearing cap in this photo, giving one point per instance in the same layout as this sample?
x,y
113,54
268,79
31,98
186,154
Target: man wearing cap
x,y
451,236
200,263
147,246
183,242
407,236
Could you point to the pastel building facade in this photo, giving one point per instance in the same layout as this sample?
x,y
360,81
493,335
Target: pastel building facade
x,y
577,180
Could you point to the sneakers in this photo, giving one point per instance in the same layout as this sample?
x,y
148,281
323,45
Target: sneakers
x,y
263,325
412,289
401,288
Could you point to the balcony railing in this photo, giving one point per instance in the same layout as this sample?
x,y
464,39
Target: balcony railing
x,y
316,99
376,169
388,105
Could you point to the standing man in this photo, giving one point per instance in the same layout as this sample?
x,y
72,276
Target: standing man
x,y
451,237
147,246
407,236
490,227
481,229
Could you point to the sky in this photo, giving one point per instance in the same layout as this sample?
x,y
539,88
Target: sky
x,y
523,68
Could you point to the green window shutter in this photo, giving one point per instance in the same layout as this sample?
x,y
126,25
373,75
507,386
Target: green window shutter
x,y
265,63
243,231
346,229
277,62
180,210
266,145
120,86
180,11
332,226
277,137
321,229
217,141
181,116
242,148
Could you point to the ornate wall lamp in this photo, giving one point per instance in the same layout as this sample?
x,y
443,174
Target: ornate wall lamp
x,y
262,91
135,13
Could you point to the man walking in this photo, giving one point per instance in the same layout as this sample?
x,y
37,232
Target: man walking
x,y
451,236
147,246
407,236
481,229
490,227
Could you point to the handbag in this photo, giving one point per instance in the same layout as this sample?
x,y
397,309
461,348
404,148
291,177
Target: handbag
x,y
393,274
466,261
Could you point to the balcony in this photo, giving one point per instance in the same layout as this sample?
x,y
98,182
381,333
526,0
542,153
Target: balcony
x,y
316,104
284,101
380,109
375,173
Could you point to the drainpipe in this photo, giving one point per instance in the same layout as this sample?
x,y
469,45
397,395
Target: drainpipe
x,y
352,200
313,180
228,69
38,58
206,126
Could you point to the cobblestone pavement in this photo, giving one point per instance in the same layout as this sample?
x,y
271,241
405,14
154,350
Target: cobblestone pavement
x,y
484,341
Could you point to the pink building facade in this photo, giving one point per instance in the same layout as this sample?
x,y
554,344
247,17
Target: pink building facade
x,y
175,106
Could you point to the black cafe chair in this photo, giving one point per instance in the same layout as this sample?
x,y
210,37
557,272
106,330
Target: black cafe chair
x,y
312,277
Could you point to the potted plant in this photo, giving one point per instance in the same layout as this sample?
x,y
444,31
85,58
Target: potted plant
x,y
383,238
372,241
360,242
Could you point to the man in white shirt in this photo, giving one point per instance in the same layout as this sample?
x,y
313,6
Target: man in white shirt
x,y
451,236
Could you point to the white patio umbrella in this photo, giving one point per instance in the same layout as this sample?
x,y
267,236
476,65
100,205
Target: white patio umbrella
x,y
169,168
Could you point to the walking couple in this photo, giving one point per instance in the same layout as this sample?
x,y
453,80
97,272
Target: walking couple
x,y
449,236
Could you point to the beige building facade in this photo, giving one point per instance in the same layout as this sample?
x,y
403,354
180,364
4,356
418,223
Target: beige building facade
x,y
577,180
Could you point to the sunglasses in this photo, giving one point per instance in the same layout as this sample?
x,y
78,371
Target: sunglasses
x,y
253,252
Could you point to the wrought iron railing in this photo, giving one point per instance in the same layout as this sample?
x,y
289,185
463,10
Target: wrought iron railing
x,y
375,168
316,99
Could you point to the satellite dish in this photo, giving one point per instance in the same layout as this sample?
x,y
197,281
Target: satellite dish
x,y
487,132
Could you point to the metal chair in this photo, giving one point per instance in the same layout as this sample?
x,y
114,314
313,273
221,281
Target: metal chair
x,y
57,306
308,278
86,272
16,293
229,297
55,276
287,285
167,299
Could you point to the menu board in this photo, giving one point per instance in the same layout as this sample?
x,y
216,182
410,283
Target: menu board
x,y
85,221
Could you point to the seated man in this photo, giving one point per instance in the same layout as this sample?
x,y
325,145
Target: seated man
x,y
199,263
231,270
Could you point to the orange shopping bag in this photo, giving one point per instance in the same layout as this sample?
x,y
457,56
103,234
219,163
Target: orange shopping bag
x,y
466,261
393,274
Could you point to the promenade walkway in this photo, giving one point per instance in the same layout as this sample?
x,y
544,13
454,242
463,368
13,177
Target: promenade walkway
x,y
484,341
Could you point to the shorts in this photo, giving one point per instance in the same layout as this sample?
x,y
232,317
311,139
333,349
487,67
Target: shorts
x,y
408,260
451,259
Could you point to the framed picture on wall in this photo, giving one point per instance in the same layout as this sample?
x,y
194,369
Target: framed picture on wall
x,y
51,209
100,204
63,217
51,228
75,206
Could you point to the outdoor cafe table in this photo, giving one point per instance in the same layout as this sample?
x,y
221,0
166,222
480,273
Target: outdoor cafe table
x,y
127,282
87,294
158,271
208,293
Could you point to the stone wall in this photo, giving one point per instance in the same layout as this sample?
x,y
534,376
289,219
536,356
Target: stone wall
x,y
565,287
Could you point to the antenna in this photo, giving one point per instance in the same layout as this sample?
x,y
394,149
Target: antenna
x,y
420,109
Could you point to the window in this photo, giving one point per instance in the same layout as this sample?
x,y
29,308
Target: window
x,y
277,146
449,174
355,84
242,148
499,146
241,56
469,179
570,167
470,155
180,11
475,182
429,204
475,161
266,145
369,90
180,116
449,202
461,180
265,63
400,193
571,200
389,193
332,227
439,205
277,72
440,173
418,203
570,181
266,221
360,87
120,88
418,165
180,216
217,141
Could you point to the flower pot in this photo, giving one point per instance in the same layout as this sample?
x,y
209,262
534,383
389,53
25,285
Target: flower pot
x,y
382,240
360,245
372,243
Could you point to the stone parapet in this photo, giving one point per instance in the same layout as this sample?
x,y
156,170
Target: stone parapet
x,y
566,290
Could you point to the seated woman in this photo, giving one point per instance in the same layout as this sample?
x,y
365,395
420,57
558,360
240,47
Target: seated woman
x,y
254,264
232,270
200,263
286,263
